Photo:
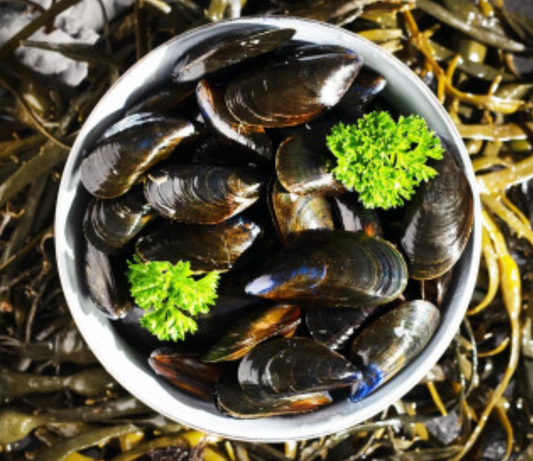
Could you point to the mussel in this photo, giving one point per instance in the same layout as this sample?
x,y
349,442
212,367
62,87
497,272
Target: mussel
x,y
249,331
294,366
164,99
294,213
388,344
128,149
110,224
333,269
231,400
294,90
107,285
201,194
219,119
240,47
304,164
438,221
185,371
335,327
206,247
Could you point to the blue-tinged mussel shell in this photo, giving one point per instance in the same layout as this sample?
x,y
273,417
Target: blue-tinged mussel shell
x,y
290,366
390,343
333,269
128,149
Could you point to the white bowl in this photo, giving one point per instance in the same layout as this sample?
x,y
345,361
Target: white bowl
x,y
404,91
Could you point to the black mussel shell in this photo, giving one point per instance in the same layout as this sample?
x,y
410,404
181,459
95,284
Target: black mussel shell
x,y
294,366
201,194
232,401
335,327
293,91
206,247
163,99
219,119
438,221
260,325
110,224
365,88
186,371
333,269
200,63
355,217
391,342
303,164
128,149
295,213
107,284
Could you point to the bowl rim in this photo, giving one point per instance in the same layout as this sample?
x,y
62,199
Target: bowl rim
x,y
247,433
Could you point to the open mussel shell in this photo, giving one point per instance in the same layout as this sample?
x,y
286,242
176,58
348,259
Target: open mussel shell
x,y
388,344
201,194
217,117
438,221
335,327
199,63
232,401
107,284
186,371
355,217
248,332
303,164
289,366
110,224
295,213
128,149
206,247
293,91
333,269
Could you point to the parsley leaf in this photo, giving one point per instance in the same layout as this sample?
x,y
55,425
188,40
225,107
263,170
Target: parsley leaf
x,y
382,159
171,296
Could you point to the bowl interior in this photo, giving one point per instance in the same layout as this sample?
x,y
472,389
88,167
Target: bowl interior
x,y
405,92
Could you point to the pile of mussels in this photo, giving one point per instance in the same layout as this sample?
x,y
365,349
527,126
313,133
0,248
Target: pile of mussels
x,y
226,167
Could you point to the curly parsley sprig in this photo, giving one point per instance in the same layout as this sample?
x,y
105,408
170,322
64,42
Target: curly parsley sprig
x,y
382,159
171,296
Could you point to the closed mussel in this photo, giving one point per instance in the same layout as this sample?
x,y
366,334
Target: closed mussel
x,y
335,327
438,221
391,342
294,90
232,401
185,371
106,283
128,149
303,164
240,47
219,119
333,269
207,247
295,213
201,194
260,325
289,366
110,224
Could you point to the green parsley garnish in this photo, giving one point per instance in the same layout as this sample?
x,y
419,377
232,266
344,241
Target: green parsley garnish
x,y
171,296
382,160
